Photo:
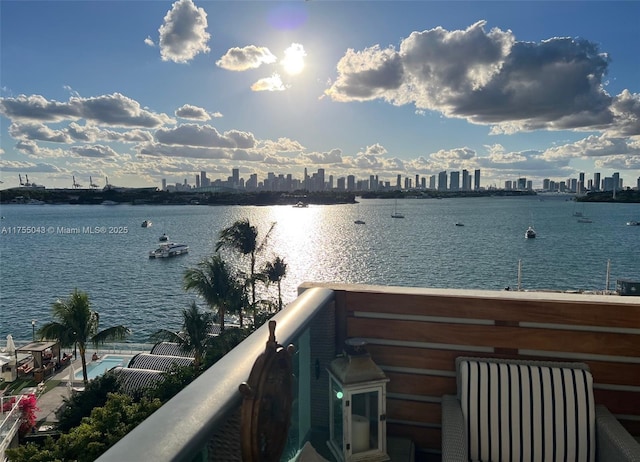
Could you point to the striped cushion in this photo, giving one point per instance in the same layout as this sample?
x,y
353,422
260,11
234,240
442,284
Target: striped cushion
x,y
522,412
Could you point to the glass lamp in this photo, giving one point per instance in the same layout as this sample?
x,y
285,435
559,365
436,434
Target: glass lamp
x,y
357,400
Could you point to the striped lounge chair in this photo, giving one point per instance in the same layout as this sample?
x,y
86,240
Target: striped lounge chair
x,y
529,411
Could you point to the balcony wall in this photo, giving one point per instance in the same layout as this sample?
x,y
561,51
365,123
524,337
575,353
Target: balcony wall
x,y
414,335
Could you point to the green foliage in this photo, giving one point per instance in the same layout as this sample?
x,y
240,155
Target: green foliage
x,y
173,381
80,405
31,452
75,322
97,433
224,343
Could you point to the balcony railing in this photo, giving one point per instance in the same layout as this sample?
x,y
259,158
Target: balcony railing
x,y
9,420
182,428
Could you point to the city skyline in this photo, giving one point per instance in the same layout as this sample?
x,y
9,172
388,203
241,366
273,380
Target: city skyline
x,y
443,181
513,89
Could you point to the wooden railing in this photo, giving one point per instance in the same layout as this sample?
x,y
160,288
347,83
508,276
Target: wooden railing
x,y
416,334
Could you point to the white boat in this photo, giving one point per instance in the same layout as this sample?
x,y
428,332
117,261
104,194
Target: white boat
x,y
301,205
395,213
146,223
169,249
163,238
633,223
530,233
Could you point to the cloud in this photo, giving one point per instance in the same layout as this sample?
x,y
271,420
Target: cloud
x,y
149,41
595,146
205,136
242,59
490,78
188,111
37,131
16,166
331,157
273,83
97,151
281,145
115,109
619,162
183,34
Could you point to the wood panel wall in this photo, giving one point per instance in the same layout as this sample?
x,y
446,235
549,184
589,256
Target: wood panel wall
x,y
415,335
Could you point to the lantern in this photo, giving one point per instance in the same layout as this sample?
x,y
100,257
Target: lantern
x,y
357,400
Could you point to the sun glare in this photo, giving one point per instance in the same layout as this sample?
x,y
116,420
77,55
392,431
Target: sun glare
x,y
293,61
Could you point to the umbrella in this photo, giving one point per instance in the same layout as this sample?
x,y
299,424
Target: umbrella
x,y
72,373
11,347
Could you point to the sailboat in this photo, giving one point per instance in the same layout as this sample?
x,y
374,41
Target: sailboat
x,y
358,221
395,213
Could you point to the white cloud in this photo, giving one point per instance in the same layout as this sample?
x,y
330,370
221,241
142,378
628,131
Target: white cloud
x,y
149,41
205,136
273,83
115,109
242,59
183,34
490,78
188,111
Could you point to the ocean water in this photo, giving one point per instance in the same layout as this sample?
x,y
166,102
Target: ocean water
x,y
318,243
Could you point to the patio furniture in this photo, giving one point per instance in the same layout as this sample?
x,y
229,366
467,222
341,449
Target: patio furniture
x,y
509,410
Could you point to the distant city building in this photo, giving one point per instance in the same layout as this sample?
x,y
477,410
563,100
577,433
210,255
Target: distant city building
x,y
476,182
508,185
351,183
164,184
442,181
596,181
399,182
522,184
454,184
432,182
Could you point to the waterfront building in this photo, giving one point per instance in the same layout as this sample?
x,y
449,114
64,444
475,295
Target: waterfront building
x,y
617,182
351,183
399,181
596,181
432,182
454,184
476,175
442,181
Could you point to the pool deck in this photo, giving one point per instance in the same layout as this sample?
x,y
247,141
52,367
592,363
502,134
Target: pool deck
x,y
50,401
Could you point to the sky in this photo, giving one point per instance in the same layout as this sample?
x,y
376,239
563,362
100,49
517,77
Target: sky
x,y
138,91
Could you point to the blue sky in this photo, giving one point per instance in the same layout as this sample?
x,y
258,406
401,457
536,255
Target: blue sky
x,y
138,91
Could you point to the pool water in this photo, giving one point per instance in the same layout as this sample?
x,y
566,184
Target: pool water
x,y
97,368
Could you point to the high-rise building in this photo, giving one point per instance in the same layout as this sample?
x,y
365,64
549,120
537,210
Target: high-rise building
x,y
417,181
617,183
204,181
476,183
341,184
454,184
442,181
235,177
351,183
432,182
164,184
399,182
372,183
596,181
466,180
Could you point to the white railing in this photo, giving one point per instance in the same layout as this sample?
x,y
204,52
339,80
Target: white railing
x,y
9,423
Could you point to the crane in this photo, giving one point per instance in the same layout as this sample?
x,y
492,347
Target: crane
x,y
91,183
76,185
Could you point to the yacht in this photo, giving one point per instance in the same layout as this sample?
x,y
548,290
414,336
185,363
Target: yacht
x,y
169,249
530,233
146,223
633,223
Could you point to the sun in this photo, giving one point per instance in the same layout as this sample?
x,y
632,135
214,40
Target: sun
x,y
293,61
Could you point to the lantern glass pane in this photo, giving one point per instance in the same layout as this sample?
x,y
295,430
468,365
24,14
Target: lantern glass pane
x,y
337,402
365,421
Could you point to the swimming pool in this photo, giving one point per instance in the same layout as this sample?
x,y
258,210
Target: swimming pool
x,y
97,368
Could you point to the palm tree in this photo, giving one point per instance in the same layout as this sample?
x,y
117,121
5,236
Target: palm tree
x,y
214,282
243,237
194,336
77,324
275,271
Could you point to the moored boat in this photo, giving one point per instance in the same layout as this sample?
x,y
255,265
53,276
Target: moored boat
x,y
146,223
163,238
530,233
169,249
633,223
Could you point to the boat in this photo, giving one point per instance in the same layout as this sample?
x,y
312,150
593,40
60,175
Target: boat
x,y
163,238
459,224
633,223
395,213
301,205
359,222
584,220
146,223
577,214
530,233
169,249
